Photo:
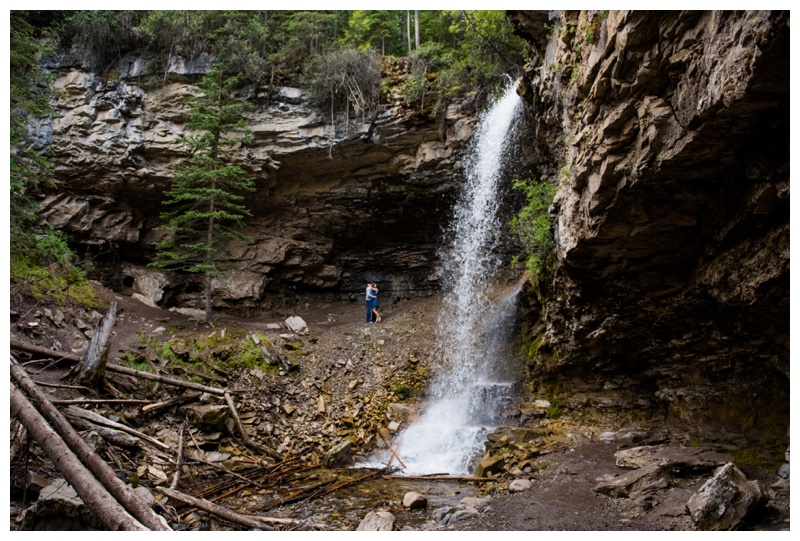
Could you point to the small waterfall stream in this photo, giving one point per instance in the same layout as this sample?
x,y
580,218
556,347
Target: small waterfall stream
x,y
470,389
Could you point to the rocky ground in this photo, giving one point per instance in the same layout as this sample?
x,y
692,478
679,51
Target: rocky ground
x,y
357,382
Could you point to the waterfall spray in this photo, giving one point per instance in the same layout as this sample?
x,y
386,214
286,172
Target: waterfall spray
x,y
466,396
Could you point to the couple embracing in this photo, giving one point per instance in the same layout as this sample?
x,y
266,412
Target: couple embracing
x,y
372,303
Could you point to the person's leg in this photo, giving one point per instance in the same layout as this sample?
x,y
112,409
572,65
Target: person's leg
x,y
369,311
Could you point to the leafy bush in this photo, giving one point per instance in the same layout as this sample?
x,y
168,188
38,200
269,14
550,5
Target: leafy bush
x,y
532,224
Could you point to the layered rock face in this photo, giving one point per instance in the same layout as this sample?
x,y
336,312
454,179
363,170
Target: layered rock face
x,y
334,207
671,293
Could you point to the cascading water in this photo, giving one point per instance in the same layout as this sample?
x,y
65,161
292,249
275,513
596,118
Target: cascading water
x,y
468,395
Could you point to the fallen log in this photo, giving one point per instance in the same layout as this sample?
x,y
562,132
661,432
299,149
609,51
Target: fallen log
x,y
112,436
108,510
165,379
72,411
215,509
57,355
103,401
440,478
179,463
119,369
101,470
389,445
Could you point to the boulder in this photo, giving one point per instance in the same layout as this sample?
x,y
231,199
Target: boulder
x,y
490,465
339,455
208,415
519,485
474,503
652,477
60,508
415,500
297,325
726,499
377,521
695,459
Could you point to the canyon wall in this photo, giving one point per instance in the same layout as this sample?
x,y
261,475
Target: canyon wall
x,y
334,207
668,135
666,132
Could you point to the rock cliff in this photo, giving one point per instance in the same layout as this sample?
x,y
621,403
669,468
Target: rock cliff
x,y
668,134
334,206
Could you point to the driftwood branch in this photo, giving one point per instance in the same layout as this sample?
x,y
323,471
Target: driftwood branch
x,y
441,478
389,445
97,419
185,397
103,472
95,401
179,463
223,512
245,437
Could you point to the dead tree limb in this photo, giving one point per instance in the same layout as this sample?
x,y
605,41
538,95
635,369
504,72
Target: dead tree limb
x,y
72,411
441,478
389,445
44,352
178,463
166,379
102,471
119,369
95,401
245,437
214,509
185,397
94,495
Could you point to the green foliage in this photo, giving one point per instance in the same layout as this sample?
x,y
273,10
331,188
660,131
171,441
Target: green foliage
x,y
45,271
29,98
478,48
202,353
402,392
136,362
372,29
41,261
532,224
465,52
554,411
205,198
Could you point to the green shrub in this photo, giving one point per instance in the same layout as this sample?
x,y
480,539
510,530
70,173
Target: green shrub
x,y
532,224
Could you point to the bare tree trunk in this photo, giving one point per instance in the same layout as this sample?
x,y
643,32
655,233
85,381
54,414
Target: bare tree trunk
x,y
112,515
122,492
93,368
408,30
208,298
416,28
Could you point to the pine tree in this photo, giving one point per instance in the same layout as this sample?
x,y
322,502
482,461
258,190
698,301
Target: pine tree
x,y
205,198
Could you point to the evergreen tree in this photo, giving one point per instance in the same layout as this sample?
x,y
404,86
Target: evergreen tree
x,y
205,198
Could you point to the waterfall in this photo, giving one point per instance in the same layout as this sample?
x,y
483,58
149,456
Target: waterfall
x,y
469,390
